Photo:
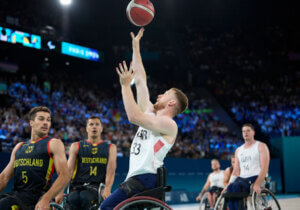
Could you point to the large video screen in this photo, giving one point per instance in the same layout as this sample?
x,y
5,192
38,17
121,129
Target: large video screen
x,y
81,52
34,41
14,36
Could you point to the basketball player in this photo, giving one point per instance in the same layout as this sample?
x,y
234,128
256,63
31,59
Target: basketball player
x,y
156,134
251,165
214,184
32,164
228,171
91,162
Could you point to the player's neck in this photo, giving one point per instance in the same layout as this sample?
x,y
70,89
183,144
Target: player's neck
x,y
35,137
164,112
249,142
217,170
95,140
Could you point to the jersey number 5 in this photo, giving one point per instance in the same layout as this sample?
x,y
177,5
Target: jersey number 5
x,y
24,177
93,171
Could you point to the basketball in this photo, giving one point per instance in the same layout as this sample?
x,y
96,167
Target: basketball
x,y
140,12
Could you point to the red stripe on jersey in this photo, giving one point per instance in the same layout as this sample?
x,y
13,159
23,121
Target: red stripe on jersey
x,y
88,141
78,145
159,144
19,146
48,148
38,139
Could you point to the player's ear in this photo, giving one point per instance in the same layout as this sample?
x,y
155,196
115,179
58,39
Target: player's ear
x,y
31,123
172,102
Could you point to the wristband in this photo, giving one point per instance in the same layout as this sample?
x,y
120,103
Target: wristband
x,y
232,179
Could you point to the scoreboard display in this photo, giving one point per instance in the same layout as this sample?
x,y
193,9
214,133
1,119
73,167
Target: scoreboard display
x,y
20,37
41,43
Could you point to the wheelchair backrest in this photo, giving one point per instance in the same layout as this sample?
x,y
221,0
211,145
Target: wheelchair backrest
x,y
161,176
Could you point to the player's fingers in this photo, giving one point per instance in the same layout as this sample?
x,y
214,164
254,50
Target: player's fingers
x,y
125,66
141,32
121,68
132,35
118,71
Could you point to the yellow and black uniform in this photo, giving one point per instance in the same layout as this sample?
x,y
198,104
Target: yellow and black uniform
x,y
89,172
91,162
33,169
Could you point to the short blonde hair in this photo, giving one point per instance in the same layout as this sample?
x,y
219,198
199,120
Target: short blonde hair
x,y
182,100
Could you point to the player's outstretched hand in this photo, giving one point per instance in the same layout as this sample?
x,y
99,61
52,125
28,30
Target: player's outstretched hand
x,y
136,39
125,74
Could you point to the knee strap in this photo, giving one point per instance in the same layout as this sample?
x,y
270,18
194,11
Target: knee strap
x,y
132,186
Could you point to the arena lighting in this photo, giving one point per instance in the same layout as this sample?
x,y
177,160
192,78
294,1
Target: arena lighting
x,y
65,2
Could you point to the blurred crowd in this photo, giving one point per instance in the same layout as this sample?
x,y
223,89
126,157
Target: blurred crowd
x,y
250,74
201,133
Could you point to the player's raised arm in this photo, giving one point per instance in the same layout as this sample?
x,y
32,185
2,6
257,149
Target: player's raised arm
x,y
143,99
161,124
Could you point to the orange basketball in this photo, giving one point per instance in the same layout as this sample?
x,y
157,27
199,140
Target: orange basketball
x,y
140,12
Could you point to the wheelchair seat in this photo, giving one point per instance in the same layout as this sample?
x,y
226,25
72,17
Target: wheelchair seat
x,y
149,199
64,205
161,189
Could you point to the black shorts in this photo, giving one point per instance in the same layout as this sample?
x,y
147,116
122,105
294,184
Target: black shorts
x,y
215,189
12,200
82,197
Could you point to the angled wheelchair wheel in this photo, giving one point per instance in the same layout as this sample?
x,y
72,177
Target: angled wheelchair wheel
x,y
266,201
204,204
220,203
55,206
142,202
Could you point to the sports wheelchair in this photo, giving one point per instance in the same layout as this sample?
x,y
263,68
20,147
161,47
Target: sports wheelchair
x,y
204,203
151,199
250,201
96,206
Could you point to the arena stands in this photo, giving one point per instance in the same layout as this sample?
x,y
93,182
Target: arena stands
x,y
201,134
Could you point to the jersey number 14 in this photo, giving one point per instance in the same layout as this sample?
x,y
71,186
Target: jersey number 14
x,y
93,171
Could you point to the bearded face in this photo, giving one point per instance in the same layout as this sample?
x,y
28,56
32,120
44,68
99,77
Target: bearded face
x,y
163,99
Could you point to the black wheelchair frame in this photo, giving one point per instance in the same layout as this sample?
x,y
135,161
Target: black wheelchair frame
x,y
154,198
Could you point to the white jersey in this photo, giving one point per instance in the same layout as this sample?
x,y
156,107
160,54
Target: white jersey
x,y
147,152
216,179
249,160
